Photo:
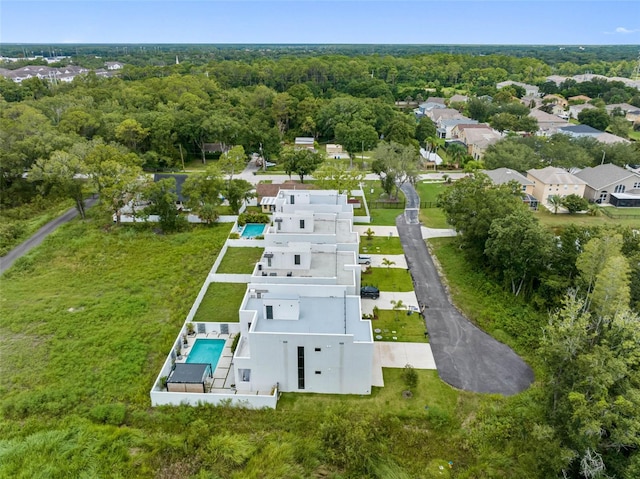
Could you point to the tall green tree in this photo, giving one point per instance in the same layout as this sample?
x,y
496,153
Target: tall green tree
x,y
356,137
237,191
204,192
518,247
64,174
162,196
233,161
472,203
334,175
395,164
303,162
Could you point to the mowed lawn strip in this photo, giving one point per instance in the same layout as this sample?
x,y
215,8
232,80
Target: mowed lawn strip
x,y
380,245
221,303
388,279
409,328
240,260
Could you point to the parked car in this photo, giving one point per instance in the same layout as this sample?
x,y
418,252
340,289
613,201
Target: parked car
x,y
364,259
369,292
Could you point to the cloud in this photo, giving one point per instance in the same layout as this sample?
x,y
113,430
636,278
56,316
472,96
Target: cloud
x,y
623,31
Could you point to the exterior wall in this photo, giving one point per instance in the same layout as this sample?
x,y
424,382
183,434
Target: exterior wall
x,y
542,191
251,401
339,367
604,193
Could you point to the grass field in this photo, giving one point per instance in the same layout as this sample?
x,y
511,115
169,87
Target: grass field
x,y
388,279
380,245
559,220
87,320
221,303
18,224
406,328
240,260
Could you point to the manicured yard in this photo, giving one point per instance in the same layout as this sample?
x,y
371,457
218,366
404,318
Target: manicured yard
x,y
433,218
240,260
429,191
381,216
221,303
380,245
562,219
406,328
388,279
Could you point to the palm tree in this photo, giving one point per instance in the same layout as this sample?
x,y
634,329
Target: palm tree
x,y
555,201
397,306
387,263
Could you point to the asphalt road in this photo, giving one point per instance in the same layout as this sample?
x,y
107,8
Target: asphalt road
x,y
466,357
38,237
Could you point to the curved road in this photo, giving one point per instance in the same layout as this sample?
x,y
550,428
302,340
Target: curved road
x,y
38,237
466,357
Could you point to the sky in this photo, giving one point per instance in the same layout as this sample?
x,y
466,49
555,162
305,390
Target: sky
x,y
542,22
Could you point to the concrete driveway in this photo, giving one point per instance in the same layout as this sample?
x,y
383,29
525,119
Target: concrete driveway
x,y
398,355
384,301
398,260
466,357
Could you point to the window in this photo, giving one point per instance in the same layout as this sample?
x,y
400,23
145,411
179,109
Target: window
x,y
245,375
301,224
318,350
636,184
296,259
292,199
318,372
269,311
300,367
619,189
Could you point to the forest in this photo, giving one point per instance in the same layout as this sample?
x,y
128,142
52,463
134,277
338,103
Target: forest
x,y
566,298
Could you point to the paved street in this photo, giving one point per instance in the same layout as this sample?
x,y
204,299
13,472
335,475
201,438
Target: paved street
x,y
466,357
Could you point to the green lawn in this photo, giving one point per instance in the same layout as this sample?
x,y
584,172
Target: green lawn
x,y
221,303
429,191
240,260
434,218
380,245
384,216
388,279
408,328
560,220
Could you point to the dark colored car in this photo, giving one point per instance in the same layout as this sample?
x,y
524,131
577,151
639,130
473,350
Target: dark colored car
x,y
369,292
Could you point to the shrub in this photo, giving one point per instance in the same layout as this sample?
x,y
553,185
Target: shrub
x,y
234,343
410,376
234,235
253,217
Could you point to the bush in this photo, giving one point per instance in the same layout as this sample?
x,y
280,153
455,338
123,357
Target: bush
x,y
234,235
410,376
253,217
234,343
574,203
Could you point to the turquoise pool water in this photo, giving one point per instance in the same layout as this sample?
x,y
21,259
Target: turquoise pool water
x,y
206,351
251,230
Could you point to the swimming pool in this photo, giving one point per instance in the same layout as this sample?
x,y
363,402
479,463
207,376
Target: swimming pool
x,y
206,351
251,230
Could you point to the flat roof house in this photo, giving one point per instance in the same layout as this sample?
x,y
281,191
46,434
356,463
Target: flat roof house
x,y
604,180
304,339
304,142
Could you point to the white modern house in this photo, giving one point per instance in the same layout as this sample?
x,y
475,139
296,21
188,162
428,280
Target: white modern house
x,y
303,338
300,323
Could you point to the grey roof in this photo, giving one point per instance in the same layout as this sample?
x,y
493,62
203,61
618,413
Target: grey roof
x,y
189,373
555,176
602,176
504,175
579,130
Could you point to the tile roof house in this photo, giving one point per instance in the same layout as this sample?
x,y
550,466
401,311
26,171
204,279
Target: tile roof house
x,y
547,123
578,131
530,90
458,99
477,137
501,176
583,98
445,127
551,181
603,180
557,79
575,110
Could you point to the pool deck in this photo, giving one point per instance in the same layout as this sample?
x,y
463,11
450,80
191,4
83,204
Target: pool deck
x,y
223,376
